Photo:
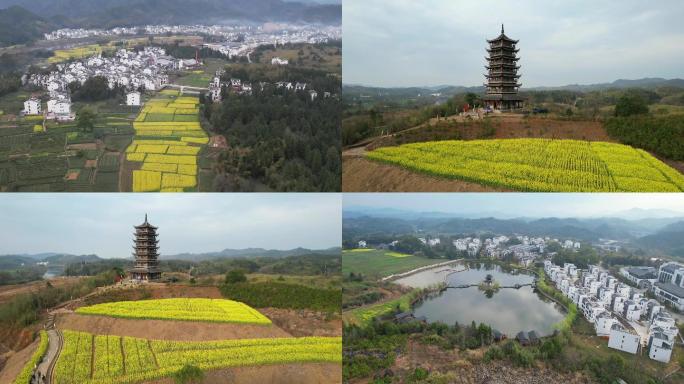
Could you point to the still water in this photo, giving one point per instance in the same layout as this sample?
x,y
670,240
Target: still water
x,y
508,310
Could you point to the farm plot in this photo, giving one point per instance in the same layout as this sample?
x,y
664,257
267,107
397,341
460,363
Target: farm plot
x,y
539,165
167,142
116,359
196,309
376,264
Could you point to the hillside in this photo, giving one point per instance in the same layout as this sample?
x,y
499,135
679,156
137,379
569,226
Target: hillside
x,y
249,252
667,240
31,28
111,13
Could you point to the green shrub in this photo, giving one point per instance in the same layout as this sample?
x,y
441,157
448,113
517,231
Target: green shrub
x,y
188,374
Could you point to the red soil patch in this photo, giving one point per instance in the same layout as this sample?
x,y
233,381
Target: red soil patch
x,y
361,175
312,373
165,329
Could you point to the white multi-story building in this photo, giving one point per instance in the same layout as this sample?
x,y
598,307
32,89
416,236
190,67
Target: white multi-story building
x,y
133,99
33,107
623,340
362,244
604,323
641,276
670,285
659,347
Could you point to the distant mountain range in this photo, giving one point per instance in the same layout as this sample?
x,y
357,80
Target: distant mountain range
x,y
16,261
665,234
250,252
24,21
450,90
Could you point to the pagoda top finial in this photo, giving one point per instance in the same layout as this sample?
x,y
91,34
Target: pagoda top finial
x,y
502,29
146,218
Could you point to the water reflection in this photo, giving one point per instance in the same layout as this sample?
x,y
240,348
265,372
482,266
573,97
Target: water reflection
x,y
508,310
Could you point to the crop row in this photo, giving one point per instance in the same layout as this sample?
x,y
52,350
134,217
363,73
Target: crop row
x,y
134,360
538,165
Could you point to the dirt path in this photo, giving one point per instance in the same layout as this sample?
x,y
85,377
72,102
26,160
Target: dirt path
x,y
361,175
165,329
16,361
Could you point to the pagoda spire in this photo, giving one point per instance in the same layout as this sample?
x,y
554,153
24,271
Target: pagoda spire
x,y
502,29
146,218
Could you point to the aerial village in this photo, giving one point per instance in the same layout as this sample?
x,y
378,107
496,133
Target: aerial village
x,y
631,322
525,251
239,40
147,70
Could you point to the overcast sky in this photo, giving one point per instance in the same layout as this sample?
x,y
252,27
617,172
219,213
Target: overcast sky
x,y
436,42
102,224
507,205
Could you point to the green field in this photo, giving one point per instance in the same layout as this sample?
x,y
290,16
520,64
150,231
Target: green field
x,y
538,165
375,264
88,358
363,315
62,158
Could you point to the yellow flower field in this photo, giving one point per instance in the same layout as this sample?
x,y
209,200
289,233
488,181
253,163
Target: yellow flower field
x,y
196,309
132,360
167,144
539,165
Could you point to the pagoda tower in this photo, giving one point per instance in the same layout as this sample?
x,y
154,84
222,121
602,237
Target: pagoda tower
x,y
146,253
502,74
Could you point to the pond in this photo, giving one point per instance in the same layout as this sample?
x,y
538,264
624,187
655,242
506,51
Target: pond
x,y
508,310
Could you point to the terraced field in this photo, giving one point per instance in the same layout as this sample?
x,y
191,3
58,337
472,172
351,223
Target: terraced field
x,y
88,358
539,165
168,139
196,309
60,157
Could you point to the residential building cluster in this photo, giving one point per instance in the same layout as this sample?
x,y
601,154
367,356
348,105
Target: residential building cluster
x,y
242,43
268,33
239,87
617,311
129,69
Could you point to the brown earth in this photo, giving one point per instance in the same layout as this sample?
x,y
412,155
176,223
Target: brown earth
x,y
11,363
361,175
302,322
466,367
505,126
165,329
9,291
312,373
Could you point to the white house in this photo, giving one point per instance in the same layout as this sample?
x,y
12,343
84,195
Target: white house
x,y
604,323
362,244
32,106
216,94
133,99
623,340
313,94
279,61
659,347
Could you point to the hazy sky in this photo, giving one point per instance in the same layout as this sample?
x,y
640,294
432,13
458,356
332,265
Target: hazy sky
x,y
519,204
436,42
103,223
